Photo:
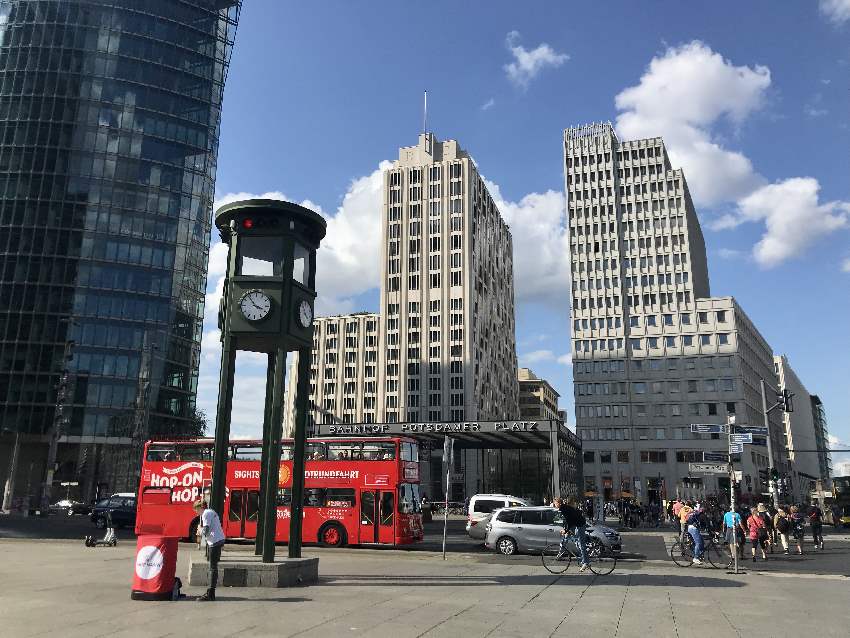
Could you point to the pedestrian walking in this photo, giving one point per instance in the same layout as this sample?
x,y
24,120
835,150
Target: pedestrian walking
x,y
816,523
677,506
782,525
733,531
209,527
798,527
758,534
768,524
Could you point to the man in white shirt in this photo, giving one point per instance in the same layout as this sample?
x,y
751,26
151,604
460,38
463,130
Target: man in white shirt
x,y
210,530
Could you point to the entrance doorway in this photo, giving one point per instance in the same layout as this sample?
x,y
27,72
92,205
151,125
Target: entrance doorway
x,y
377,512
243,510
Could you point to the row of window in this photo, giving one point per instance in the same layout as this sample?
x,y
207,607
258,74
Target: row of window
x,y
651,365
642,410
646,456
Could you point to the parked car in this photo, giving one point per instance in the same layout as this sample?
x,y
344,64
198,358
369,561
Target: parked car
x,y
121,507
529,529
69,507
480,508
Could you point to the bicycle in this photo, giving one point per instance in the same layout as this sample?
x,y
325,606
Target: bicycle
x,y
602,561
713,550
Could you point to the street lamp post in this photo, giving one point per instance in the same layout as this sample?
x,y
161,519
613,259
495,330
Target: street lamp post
x,y
59,422
730,422
785,404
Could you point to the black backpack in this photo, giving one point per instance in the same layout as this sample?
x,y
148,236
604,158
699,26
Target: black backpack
x,y
782,524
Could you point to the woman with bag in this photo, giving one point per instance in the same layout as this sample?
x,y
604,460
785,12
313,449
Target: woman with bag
x,y
758,534
798,527
782,526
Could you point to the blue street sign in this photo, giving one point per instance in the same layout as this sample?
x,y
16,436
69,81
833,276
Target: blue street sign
x,y
740,438
736,448
755,430
708,428
716,457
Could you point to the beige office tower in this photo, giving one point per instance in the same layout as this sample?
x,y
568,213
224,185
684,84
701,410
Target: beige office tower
x,y
537,399
652,351
803,439
447,296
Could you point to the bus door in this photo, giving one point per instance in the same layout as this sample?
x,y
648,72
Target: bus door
x,y
377,516
243,510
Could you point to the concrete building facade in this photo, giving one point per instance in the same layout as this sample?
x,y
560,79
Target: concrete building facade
x,y
653,352
537,399
800,430
822,438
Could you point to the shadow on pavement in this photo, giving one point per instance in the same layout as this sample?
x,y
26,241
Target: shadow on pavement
x,y
651,580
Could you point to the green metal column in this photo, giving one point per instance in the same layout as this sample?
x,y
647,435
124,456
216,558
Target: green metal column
x,y
222,424
273,465
264,457
302,401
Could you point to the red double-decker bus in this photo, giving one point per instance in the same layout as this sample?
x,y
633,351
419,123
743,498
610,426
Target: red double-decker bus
x,y
356,490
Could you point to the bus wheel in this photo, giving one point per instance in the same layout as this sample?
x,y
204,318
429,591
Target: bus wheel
x,y
332,535
193,531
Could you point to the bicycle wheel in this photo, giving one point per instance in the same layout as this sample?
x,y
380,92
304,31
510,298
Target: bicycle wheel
x,y
603,564
682,555
553,564
717,555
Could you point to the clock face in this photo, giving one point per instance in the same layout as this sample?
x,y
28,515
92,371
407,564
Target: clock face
x,y
305,314
255,305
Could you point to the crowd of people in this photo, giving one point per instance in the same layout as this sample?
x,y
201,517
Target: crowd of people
x,y
765,527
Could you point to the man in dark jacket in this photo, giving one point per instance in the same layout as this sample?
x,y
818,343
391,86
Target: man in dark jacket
x,y
573,519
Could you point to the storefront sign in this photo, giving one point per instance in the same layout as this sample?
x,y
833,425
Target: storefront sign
x,y
390,429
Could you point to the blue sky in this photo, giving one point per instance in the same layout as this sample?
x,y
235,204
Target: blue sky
x,y
751,99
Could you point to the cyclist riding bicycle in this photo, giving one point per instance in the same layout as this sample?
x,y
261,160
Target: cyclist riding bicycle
x,y
573,519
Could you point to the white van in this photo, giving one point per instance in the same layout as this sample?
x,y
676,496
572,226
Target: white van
x,y
481,506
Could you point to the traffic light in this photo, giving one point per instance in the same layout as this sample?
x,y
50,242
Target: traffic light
x,y
784,400
774,475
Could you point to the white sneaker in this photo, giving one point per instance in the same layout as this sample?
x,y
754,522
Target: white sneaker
x,y
697,561
584,567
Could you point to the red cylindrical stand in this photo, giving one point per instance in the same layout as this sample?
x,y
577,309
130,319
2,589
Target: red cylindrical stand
x,y
154,569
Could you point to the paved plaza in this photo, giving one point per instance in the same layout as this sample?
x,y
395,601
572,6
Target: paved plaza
x,y
60,588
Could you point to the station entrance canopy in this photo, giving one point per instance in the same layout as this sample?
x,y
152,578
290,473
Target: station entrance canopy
x,y
470,434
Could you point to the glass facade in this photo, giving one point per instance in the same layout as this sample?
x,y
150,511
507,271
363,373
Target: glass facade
x,y
109,121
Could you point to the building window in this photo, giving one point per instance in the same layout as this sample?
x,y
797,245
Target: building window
x,y
589,456
605,457
653,456
622,456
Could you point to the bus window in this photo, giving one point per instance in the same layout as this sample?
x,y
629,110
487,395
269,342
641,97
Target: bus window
x,y
409,501
316,452
339,497
286,452
409,452
313,497
196,453
342,451
246,453
387,508
284,497
379,451
161,453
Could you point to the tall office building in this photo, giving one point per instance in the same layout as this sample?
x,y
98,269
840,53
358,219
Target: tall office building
x,y
537,399
445,346
652,351
805,437
110,118
822,441
447,291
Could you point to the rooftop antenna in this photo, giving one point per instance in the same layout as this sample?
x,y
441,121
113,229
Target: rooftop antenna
x,y
425,115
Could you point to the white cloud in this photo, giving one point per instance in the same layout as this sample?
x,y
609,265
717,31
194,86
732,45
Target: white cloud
x,y
793,218
845,265
566,359
536,356
814,107
683,96
838,11
680,96
730,253
488,104
541,245
527,65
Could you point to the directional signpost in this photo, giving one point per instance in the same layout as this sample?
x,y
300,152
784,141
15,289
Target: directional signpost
x,y
709,428
740,438
736,448
755,430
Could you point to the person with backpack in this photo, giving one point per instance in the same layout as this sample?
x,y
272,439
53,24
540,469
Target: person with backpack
x,y
758,534
782,525
798,527
733,530
816,523
768,524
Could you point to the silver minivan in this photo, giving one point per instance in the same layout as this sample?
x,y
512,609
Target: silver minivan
x,y
530,529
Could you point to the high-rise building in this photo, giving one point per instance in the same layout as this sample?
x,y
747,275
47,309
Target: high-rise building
x,y
822,441
537,399
110,121
447,292
804,438
652,351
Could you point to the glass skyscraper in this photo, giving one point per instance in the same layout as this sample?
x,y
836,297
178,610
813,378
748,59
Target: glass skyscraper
x,y
109,123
